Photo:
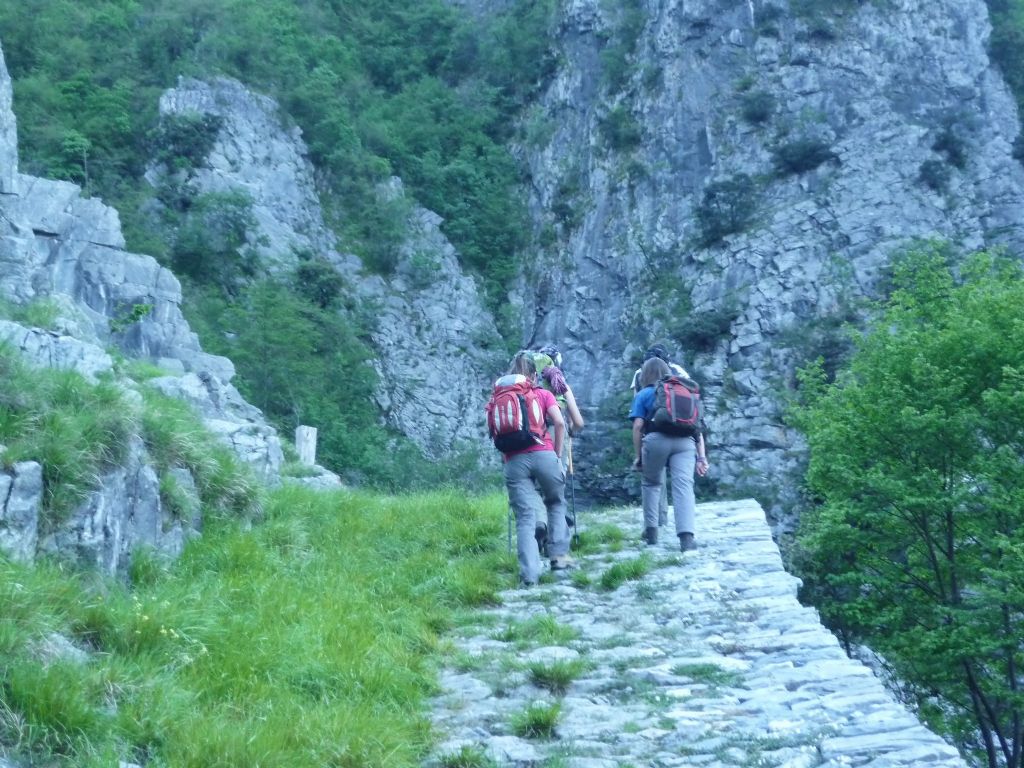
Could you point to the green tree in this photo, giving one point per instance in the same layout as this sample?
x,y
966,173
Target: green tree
x,y
917,465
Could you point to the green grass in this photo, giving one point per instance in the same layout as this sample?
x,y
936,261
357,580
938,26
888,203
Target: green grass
x,y
543,629
557,676
175,437
78,429
309,639
708,673
537,721
74,428
600,538
468,757
625,570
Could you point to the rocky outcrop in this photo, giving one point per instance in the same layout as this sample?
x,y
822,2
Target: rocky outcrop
x,y
125,513
435,342
21,497
8,133
257,155
68,250
833,139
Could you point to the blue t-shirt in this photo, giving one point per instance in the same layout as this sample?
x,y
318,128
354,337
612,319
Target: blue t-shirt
x,y
643,404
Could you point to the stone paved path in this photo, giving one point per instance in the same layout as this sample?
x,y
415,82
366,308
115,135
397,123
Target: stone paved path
x,y
707,659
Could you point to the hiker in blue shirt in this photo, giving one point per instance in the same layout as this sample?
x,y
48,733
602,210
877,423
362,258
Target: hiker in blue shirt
x,y
677,370
656,449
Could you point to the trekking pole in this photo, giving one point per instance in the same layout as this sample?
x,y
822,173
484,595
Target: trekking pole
x,y
572,496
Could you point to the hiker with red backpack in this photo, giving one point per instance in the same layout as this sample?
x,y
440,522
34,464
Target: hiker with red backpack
x,y
518,415
678,370
666,420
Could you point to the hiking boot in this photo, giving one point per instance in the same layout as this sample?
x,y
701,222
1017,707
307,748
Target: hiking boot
x,y
563,563
651,535
541,534
686,542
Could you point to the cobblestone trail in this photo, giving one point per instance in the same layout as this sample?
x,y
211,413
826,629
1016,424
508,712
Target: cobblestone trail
x,y
708,659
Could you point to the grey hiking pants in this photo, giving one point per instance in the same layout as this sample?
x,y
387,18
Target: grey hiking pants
x,y
530,505
679,453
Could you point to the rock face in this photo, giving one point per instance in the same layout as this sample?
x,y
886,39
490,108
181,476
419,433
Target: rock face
x,y
57,245
257,155
21,495
8,133
433,337
732,179
833,140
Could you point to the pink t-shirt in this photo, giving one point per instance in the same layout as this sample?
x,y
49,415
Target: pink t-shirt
x,y
546,401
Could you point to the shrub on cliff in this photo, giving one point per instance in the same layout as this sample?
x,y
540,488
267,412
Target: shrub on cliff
x,y
727,206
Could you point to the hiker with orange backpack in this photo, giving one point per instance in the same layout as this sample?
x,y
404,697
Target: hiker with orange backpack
x,y
667,430
518,415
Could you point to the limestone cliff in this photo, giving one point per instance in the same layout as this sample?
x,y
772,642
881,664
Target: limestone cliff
x,y
733,177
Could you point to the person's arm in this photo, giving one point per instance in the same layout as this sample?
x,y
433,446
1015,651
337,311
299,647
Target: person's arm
x,y
637,414
702,456
558,427
638,439
575,417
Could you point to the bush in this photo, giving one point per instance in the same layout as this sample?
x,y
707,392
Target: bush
x,y
702,331
1018,148
210,242
726,207
757,106
182,142
621,130
952,145
934,174
801,156
616,69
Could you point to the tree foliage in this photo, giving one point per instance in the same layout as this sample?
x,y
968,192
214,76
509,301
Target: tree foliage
x,y
917,466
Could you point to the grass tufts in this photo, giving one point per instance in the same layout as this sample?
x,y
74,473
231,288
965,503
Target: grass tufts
x,y
468,757
543,629
537,721
625,570
557,676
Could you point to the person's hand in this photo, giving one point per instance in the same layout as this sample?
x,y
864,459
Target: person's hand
x,y
637,465
702,466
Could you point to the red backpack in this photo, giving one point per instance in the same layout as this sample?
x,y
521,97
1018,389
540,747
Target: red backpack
x,y
515,414
676,407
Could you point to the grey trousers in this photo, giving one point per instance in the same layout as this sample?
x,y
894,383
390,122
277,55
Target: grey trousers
x,y
530,505
663,501
679,453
